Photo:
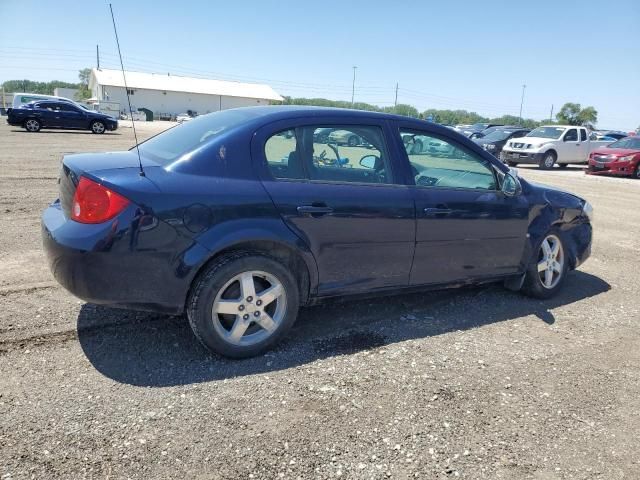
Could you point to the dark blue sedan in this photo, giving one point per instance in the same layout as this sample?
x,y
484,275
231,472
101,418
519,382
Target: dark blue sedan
x,y
240,217
40,114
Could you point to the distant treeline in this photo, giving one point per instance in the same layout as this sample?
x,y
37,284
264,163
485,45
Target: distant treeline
x,y
451,117
29,86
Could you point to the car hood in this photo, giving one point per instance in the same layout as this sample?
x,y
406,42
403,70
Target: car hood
x,y
616,151
533,141
553,192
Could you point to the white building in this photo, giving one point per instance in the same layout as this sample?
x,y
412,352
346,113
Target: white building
x,y
69,93
171,94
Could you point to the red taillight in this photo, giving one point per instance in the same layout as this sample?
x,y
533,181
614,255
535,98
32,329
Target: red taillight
x,y
94,203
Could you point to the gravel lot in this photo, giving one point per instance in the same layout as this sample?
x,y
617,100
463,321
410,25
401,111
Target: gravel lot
x,y
473,383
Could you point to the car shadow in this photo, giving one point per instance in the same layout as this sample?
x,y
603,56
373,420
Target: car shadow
x,y
152,350
73,132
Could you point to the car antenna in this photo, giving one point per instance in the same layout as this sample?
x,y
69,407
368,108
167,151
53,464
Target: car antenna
x,y
133,123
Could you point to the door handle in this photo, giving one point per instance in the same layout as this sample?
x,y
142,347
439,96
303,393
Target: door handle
x,y
437,212
314,210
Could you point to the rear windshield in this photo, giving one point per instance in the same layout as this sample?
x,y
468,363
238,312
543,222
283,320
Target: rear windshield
x,y
170,145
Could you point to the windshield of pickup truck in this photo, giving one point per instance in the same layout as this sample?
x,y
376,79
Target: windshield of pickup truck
x,y
546,132
631,143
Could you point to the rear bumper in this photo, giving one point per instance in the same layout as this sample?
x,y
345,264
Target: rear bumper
x,y
115,264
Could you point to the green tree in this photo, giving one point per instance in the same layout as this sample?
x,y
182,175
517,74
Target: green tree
x,y
403,109
83,88
574,114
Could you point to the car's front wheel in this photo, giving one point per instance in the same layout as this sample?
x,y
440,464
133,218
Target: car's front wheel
x,y
97,127
243,304
32,125
548,267
547,161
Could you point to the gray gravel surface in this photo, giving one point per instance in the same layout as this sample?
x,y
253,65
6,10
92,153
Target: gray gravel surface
x,y
471,383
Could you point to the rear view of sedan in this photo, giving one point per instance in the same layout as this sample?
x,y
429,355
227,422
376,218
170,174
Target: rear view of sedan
x,y
239,217
620,158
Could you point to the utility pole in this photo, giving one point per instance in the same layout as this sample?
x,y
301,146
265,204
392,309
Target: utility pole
x,y
353,86
395,103
551,114
98,56
521,102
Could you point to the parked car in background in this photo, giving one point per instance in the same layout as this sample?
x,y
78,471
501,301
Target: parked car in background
x,y
478,128
551,144
489,130
60,114
495,141
183,117
619,158
239,238
612,134
345,137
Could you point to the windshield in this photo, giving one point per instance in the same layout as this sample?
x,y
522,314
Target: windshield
x,y
171,144
546,132
629,142
497,135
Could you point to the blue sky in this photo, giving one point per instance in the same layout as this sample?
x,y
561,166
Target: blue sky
x,y
474,55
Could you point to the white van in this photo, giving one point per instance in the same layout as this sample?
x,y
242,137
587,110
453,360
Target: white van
x,y
22,98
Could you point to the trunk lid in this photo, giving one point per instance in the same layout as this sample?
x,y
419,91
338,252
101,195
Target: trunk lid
x,y
119,171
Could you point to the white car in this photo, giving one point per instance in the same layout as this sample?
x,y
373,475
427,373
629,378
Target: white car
x,y
551,144
183,117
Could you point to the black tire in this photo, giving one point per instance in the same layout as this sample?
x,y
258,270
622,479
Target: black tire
x,y
636,173
563,165
98,127
547,161
32,125
533,285
209,284
353,141
512,164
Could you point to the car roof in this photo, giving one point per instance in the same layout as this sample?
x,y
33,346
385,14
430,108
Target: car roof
x,y
273,113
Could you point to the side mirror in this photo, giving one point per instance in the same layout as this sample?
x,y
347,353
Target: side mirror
x,y
511,185
369,161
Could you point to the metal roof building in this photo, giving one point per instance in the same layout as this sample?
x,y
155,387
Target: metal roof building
x,y
171,94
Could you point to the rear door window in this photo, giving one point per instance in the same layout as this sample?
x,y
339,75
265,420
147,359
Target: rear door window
x,y
281,152
583,135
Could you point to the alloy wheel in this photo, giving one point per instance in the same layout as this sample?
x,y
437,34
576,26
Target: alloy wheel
x,y
549,161
249,308
550,261
97,127
32,125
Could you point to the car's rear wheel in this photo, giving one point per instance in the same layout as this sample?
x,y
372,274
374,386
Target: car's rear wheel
x,y
97,127
548,267
547,161
243,304
32,125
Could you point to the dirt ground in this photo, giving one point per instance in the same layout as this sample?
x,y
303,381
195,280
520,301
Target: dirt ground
x,y
473,383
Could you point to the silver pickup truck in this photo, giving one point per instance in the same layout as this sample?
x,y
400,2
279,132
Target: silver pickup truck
x,y
551,144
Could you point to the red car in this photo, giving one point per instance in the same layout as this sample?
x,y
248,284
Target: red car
x,y
619,158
